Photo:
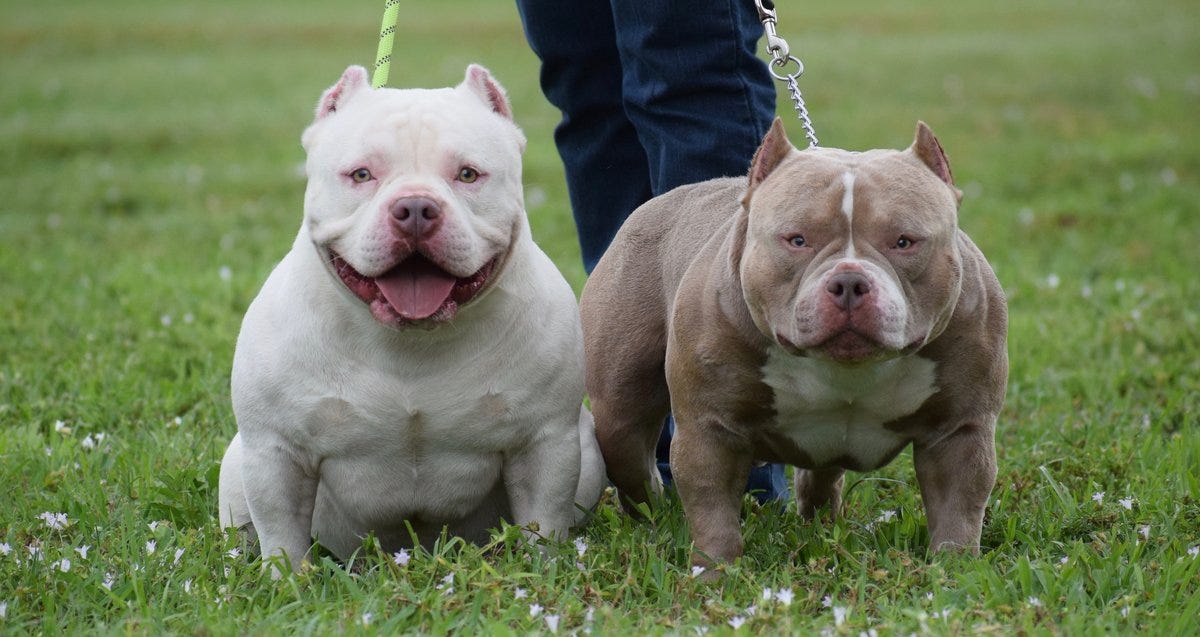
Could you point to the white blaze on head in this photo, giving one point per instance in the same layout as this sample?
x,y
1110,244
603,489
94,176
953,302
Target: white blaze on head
x,y
848,209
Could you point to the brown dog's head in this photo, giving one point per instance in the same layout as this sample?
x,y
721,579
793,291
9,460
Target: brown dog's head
x,y
849,256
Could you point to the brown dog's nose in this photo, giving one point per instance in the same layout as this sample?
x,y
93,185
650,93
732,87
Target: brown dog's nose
x,y
848,289
416,216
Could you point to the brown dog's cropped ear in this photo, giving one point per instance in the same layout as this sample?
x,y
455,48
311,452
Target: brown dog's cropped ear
x,y
775,146
353,80
928,149
482,84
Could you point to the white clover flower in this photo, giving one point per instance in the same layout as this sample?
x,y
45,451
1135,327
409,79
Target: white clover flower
x,y
401,557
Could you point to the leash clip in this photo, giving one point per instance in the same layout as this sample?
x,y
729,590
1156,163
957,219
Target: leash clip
x,y
777,46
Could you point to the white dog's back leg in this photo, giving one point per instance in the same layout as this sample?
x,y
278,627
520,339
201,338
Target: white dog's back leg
x,y
592,477
232,509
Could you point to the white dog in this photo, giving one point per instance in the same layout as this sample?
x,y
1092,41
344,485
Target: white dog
x,y
415,359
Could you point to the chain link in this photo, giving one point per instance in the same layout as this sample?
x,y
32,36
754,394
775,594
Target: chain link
x,y
781,57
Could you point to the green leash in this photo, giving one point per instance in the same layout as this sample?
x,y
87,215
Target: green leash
x,y
387,37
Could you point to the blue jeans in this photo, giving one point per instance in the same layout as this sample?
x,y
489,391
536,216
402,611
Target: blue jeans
x,y
654,94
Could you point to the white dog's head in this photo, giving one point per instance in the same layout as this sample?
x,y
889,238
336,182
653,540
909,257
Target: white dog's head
x,y
414,196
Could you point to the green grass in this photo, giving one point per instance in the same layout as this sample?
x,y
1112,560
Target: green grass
x,y
148,183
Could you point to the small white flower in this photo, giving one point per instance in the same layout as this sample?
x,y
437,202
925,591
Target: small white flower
x,y
1086,291
1144,530
100,435
64,565
187,586
1052,281
1127,503
1064,560
767,593
234,552
535,610
178,554
225,273
590,615
189,318
56,521
581,547
153,526
5,548
784,596
839,615
108,581
49,451
551,622
697,571
3,609
366,619
942,614
751,610
520,593
870,632
35,552
83,551
165,319
401,557
1125,612
886,516
929,596
61,427
826,601
1098,497
1194,551
1034,602
88,443
448,580
736,622
151,547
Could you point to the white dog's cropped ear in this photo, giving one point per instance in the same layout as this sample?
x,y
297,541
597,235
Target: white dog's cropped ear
x,y
775,146
353,80
928,149
481,83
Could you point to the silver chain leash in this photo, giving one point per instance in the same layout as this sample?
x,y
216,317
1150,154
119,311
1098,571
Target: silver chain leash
x,y
781,57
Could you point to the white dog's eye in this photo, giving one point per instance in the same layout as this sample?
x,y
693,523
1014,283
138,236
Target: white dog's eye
x,y
797,241
904,243
468,175
361,175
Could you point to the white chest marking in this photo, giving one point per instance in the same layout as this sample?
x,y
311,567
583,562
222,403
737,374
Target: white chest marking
x,y
832,411
848,209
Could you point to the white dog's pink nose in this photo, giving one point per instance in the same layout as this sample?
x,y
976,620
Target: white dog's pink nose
x,y
416,217
847,290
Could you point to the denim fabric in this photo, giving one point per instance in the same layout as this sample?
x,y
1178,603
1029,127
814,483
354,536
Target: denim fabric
x,y
653,95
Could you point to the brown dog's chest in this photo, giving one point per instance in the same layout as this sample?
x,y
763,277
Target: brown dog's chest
x,y
830,415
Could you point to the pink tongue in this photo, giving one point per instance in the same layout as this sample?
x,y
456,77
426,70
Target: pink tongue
x,y
416,288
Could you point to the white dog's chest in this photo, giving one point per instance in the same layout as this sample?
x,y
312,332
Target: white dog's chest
x,y
834,413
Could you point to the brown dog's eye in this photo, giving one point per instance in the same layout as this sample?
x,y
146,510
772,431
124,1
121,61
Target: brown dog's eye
x,y
468,175
361,175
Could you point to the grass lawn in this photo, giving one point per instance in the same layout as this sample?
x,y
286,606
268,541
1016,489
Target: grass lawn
x,y
149,156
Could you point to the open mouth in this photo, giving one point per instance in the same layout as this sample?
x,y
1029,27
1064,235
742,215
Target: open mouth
x,y
416,289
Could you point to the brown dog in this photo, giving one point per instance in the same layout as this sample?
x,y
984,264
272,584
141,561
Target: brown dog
x,y
824,313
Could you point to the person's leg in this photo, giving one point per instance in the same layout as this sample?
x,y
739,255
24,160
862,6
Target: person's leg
x,y
701,101
606,168
700,98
